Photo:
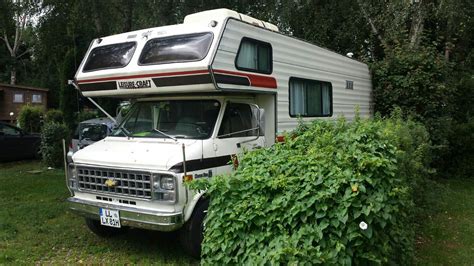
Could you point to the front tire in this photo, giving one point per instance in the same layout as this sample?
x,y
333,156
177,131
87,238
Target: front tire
x,y
191,235
103,231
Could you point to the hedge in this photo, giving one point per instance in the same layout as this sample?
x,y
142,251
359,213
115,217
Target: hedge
x,y
51,143
333,193
54,115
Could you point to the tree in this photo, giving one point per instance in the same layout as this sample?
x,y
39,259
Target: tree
x,y
15,21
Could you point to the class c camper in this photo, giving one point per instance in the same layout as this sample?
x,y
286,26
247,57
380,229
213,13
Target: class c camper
x,y
203,92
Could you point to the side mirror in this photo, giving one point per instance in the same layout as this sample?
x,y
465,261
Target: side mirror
x,y
122,111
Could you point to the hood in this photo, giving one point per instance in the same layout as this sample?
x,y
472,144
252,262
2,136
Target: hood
x,y
138,153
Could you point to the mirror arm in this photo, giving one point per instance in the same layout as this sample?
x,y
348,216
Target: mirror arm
x,y
258,131
237,132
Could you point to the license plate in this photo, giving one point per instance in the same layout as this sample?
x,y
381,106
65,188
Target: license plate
x,y
109,217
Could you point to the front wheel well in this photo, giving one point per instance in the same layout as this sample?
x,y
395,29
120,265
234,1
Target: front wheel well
x,y
196,200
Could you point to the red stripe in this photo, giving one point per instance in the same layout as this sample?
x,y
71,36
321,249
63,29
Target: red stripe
x,y
255,80
145,76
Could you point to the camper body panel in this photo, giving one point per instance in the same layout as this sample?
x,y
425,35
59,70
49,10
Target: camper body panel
x,y
294,58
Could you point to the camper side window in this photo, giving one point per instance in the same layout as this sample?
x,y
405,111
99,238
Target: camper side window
x,y
110,56
254,56
176,49
310,98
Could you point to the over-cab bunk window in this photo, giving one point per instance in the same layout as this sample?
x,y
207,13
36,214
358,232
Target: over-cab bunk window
x,y
254,56
176,49
110,56
310,98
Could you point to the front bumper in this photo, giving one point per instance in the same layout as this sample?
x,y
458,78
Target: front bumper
x,y
130,216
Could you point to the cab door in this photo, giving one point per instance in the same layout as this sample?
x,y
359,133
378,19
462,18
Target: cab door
x,y
239,131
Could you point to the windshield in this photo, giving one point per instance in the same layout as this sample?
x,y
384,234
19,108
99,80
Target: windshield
x,y
191,119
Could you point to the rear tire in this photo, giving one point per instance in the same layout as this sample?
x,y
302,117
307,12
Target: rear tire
x,y
191,235
103,231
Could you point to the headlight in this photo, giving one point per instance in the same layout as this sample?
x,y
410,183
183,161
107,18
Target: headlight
x,y
167,183
164,188
69,156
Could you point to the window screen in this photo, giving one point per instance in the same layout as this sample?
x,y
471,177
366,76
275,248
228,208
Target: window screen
x,y
349,84
254,56
110,56
182,48
310,98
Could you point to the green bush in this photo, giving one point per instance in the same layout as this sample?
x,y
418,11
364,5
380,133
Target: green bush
x,y
306,201
30,118
54,115
415,81
51,143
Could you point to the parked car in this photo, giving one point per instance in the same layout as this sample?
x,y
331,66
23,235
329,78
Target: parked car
x,y
15,144
90,131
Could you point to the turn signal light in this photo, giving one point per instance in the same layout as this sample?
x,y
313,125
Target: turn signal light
x,y
280,139
187,178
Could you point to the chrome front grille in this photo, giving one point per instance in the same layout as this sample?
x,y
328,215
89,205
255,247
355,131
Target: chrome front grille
x,y
129,183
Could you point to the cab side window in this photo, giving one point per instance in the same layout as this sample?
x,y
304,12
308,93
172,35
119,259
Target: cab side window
x,y
239,121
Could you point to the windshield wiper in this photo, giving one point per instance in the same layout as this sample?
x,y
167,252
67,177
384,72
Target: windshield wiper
x,y
164,134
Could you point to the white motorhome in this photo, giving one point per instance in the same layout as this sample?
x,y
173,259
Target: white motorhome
x,y
203,92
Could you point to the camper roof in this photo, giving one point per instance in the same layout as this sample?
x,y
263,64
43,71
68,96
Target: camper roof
x,y
158,60
224,13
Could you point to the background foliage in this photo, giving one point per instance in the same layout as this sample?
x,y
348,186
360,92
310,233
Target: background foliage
x,y
54,115
303,201
420,52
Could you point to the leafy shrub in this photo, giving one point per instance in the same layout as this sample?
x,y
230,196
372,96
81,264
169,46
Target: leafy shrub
x,y
51,143
415,81
307,200
30,118
54,115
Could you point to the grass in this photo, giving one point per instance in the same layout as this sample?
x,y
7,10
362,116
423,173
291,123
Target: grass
x,y
446,237
37,227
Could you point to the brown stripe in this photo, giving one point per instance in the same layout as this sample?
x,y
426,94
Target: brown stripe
x,y
100,86
182,80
